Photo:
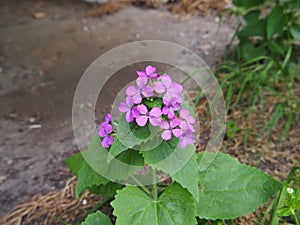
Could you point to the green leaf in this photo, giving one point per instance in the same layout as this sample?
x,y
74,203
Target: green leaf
x,y
170,158
252,16
160,152
232,128
125,164
275,21
276,48
249,51
253,29
116,148
130,134
188,177
134,207
107,190
297,204
152,103
230,189
283,211
295,31
88,177
75,162
248,3
97,218
131,157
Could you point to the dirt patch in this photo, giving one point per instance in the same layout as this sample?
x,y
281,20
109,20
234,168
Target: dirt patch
x,y
41,62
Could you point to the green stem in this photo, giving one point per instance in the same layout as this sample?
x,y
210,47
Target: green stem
x,y
278,203
154,186
296,218
140,185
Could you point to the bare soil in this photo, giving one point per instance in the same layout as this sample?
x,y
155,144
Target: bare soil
x,y
42,59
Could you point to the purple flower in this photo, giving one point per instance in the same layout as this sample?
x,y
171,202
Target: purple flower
x,y
142,89
104,132
131,112
186,138
170,128
149,72
108,118
153,116
171,106
185,114
164,85
173,92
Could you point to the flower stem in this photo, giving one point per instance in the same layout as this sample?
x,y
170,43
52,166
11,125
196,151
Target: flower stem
x,y
140,185
296,219
154,186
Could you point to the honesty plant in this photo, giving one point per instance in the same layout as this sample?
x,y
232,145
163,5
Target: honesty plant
x,y
156,132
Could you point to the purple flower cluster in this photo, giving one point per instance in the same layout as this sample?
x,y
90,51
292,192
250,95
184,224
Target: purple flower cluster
x,y
105,131
151,86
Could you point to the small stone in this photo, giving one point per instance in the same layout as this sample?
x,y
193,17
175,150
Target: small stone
x,y
217,19
2,179
9,162
84,202
34,126
13,115
39,15
88,104
31,120
85,28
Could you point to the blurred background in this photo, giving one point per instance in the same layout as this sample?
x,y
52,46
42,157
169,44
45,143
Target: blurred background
x,y
46,46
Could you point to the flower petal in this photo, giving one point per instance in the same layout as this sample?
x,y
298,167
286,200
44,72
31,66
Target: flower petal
x,y
171,114
178,88
159,87
101,132
184,113
174,122
131,90
142,120
135,112
129,101
166,80
141,73
129,117
155,112
164,124
150,70
165,110
107,127
147,91
166,135
177,132
123,107
141,82
107,141
110,140
182,143
155,121
108,117
137,98
142,109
